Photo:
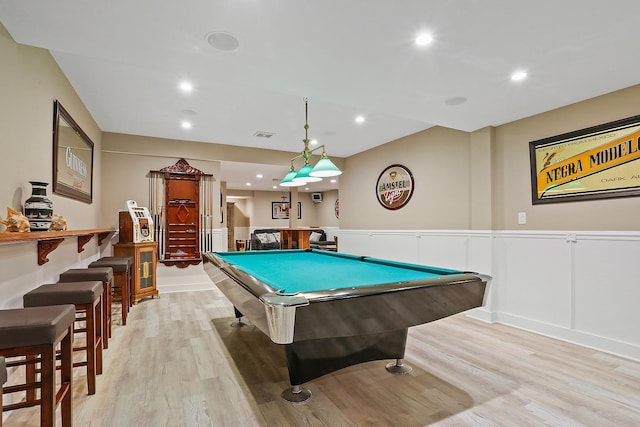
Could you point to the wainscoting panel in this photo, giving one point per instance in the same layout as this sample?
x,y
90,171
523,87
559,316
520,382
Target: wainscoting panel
x,y
537,278
220,239
607,287
581,287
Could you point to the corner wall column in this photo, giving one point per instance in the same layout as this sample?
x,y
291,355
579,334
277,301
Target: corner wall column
x,y
480,203
293,211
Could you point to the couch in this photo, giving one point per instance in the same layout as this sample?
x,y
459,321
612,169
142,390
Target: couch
x,y
264,239
319,238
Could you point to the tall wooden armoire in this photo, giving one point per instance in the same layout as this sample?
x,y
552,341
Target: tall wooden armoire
x,y
182,214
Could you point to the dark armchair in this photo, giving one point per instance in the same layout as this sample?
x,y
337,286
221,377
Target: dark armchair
x,y
318,238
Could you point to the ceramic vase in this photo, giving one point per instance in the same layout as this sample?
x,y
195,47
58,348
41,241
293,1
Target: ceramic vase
x,y
38,208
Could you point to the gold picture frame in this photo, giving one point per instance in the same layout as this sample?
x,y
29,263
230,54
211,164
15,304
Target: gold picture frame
x,y
72,157
594,163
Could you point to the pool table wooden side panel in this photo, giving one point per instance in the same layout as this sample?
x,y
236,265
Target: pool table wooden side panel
x,y
384,312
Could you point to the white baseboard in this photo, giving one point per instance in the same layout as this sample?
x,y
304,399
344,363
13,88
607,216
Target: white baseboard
x,y
600,343
182,287
173,279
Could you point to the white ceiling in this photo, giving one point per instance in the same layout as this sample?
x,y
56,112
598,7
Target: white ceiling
x,y
348,57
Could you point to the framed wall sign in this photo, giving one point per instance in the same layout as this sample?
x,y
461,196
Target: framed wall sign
x,y
72,157
598,162
280,210
394,187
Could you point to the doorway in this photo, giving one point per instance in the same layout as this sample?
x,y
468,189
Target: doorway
x,y
231,240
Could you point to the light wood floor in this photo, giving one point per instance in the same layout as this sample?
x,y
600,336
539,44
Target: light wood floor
x,y
179,363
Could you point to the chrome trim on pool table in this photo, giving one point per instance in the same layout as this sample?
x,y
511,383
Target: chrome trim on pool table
x,y
281,315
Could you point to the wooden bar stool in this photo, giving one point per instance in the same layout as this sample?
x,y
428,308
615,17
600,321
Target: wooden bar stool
x,y
33,334
129,260
101,274
87,299
121,267
3,379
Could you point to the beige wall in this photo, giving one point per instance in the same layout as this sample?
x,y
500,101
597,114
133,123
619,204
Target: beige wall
x,y
241,216
325,210
439,161
30,81
512,181
127,160
256,205
481,180
261,213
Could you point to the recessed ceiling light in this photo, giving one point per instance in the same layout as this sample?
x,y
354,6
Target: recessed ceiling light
x,y
222,41
306,188
314,142
186,125
359,119
248,184
259,176
423,39
518,76
275,186
186,87
333,181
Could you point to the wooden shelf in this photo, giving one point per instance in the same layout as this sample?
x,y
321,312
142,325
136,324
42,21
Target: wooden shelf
x,y
48,241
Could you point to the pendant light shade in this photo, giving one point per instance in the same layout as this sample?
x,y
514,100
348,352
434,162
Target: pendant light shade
x,y
304,176
325,168
288,181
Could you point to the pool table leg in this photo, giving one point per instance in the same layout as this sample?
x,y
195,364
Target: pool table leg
x,y
313,358
238,323
296,394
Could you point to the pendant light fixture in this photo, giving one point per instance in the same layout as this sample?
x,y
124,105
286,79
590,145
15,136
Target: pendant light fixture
x,y
323,169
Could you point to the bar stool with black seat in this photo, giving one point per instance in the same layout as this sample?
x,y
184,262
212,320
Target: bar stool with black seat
x,y
121,278
31,336
129,260
87,299
101,274
3,379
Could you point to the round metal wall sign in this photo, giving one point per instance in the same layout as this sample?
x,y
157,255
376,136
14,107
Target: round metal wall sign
x,y
394,187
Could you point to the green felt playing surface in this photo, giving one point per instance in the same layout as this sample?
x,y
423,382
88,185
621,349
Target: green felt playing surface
x,y
293,271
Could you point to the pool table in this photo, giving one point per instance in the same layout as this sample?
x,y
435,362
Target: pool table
x,y
332,310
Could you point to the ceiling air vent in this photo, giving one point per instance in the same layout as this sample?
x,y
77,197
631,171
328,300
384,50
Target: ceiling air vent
x,y
261,134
